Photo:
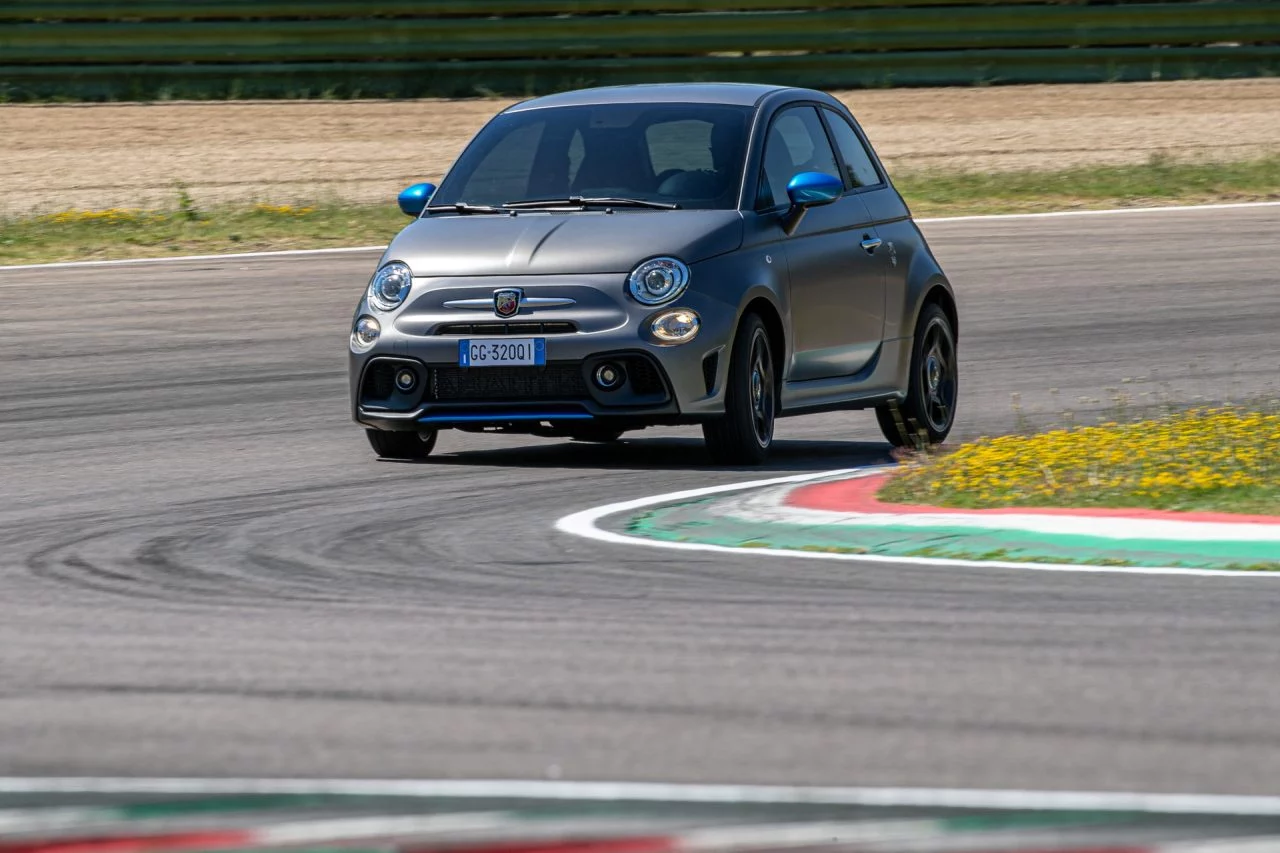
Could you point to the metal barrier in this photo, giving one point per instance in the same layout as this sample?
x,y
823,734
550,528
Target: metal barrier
x,y
272,48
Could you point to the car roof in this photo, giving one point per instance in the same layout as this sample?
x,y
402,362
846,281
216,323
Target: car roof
x,y
737,94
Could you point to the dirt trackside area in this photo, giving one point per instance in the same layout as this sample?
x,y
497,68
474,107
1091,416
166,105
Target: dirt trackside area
x,y
96,156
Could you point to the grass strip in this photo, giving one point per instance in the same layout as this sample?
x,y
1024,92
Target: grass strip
x,y
187,229
1205,459
90,235
1159,181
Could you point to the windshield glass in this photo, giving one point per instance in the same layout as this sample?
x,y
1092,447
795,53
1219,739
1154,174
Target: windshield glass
x,y
687,154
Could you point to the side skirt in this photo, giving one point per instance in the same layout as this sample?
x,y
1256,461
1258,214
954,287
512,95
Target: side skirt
x,y
885,378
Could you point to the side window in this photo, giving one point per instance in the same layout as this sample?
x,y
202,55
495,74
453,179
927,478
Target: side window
x,y
859,170
796,143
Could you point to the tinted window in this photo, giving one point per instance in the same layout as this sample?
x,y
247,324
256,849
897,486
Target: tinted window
x,y
683,145
859,170
504,170
686,153
796,143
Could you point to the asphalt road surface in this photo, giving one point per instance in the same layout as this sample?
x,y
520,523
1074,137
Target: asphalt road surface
x,y
204,570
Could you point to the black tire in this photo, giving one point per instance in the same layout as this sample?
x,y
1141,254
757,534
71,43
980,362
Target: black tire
x,y
596,435
929,411
744,434
402,445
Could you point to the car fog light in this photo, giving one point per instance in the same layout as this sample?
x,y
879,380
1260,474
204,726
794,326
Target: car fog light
x,y
609,376
676,327
406,379
366,332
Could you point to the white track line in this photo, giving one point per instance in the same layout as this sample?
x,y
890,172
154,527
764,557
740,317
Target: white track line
x,y
929,220
249,256
584,524
1056,214
657,792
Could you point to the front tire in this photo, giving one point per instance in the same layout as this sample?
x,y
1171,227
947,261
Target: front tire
x,y
744,434
929,411
402,445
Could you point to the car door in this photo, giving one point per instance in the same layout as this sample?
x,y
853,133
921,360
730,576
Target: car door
x,y
836,285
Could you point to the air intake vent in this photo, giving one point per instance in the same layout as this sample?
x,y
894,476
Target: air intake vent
x,y
709,365
509,384
644,376
522,328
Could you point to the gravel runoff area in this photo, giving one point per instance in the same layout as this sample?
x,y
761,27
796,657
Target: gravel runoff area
x,y
96,156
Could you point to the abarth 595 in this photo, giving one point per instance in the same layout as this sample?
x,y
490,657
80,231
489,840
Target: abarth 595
x,y
617,258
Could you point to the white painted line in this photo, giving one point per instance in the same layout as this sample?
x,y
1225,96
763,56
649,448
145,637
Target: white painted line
x,y
355,828
765,836
658,792
584,524
770,505
1057,214
284,253
248,256
1259,844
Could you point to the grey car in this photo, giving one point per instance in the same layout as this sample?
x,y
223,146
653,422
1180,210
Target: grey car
x,y
611,259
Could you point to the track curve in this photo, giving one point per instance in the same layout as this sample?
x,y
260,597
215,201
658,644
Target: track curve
x,y
203,571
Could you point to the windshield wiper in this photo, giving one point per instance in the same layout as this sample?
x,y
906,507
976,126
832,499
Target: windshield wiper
x,y
463,207
585,201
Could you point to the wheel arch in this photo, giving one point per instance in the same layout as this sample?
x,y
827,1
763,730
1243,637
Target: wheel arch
x,y
939,293
763,307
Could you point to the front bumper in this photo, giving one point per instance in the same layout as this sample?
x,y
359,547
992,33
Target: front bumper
x,y
665,383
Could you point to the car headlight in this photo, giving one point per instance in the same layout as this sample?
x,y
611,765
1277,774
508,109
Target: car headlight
x,y
365,332
658,280
390,285
676,327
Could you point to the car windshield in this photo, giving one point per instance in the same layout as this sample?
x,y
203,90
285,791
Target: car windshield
x,y
684,154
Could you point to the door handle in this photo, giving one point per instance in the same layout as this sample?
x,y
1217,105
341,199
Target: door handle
x,y
871,244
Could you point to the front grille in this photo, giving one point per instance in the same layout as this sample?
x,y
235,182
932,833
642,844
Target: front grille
x,y
522,328
644,377
552,382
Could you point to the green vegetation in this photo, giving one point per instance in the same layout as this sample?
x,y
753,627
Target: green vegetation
x,y
189,229
1216,460
1160,180
79,235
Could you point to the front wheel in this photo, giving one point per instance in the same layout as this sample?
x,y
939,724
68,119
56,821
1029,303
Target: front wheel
x,y
929,411
744,434
402,445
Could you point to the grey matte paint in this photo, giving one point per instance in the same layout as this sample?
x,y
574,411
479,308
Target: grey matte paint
x,y
847,315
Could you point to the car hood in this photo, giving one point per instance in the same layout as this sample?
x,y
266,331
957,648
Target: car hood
x,y
575,243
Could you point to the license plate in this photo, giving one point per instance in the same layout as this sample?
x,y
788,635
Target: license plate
x,y
502,352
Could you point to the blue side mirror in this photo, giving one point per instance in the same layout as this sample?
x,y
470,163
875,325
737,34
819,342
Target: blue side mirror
x,y
806,190
413,200
809,189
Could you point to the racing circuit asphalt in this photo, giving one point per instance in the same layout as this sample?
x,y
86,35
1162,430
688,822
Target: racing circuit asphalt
x,y
204,570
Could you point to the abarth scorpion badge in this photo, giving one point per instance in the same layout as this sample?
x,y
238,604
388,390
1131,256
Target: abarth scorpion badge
x,y
506,302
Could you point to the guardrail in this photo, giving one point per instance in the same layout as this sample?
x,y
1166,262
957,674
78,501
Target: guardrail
x,y
271,48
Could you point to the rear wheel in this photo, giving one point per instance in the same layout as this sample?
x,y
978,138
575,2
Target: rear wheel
x,y
929,411
402,445
744,434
